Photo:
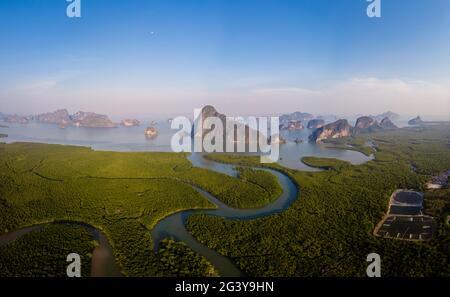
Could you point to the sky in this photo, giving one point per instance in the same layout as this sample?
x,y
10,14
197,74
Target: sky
x,y
246,57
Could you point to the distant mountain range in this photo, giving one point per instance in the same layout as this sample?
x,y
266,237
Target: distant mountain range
x,y
80,119
322,131
295,116
299,120
338,127
389,114
15,119
293,121
341,128
62,118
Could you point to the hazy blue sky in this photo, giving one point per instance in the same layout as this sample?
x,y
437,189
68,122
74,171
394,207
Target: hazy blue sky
x,y
139,57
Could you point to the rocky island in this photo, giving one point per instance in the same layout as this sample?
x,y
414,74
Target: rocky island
x,y
316,124
416,121
80,119
130,123
92,120
294,121
387,124
366,125
59,117
151,132
210,111
16,119
292,126
296,116
340,128
207,112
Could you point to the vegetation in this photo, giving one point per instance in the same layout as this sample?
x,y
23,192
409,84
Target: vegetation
x,y
44,252
266,181
179,260
328,230
437,204
122,194
325,163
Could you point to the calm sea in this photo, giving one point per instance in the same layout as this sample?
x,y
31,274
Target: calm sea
x,y
132,139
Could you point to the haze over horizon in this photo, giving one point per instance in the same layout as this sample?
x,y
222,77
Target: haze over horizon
x,y
253,57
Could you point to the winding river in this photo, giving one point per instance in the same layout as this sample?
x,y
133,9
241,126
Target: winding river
x,y
175,225
103,263
131,139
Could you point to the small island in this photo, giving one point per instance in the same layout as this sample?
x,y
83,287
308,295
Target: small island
x,y
130,123
16,119
151,132
416,121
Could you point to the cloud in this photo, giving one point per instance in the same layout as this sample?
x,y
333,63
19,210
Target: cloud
x,y
377,95
358,95
354,96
